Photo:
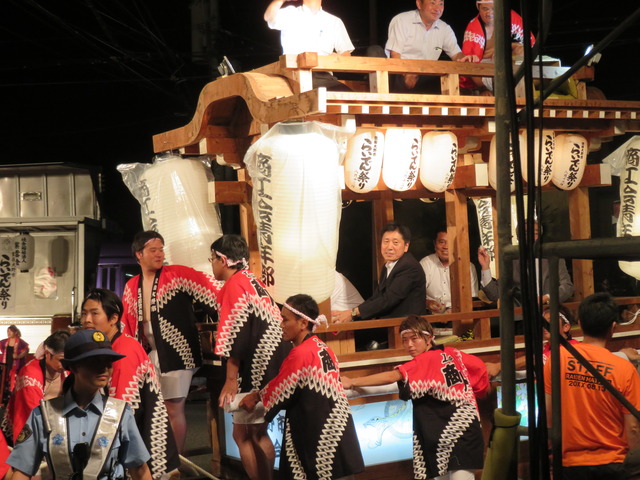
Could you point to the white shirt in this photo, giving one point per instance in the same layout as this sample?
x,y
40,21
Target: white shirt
x,y
439,282
303,30
409,37
345,296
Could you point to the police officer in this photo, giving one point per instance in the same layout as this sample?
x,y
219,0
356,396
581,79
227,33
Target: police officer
x,y
99,431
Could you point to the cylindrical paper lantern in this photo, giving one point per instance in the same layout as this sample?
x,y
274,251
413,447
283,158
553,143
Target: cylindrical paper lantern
x,y
544,162
485,227
401,158
569,161
297,207
438,160
363,162
24,251
493,162
177,205
629,220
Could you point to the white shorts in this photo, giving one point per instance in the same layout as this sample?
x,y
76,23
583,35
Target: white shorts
x,y
241,416
174,384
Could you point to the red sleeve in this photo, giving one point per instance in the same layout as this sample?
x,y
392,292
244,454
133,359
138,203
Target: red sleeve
x,y
4,454
24,401
129,302
478,375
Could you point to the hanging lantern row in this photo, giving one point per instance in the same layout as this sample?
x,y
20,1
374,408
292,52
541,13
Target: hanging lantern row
x,y
400,156
562,162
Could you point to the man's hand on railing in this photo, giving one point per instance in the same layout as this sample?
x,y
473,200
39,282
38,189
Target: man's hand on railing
x,y
341,316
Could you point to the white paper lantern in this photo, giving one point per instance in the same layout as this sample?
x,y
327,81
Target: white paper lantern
x,y
569,161
484,209
297,206
24,251
438,160
493,162
363,162
401,158
629,220
544,163
177,206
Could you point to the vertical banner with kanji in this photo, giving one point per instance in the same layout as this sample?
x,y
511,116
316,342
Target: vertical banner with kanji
x,y
7,275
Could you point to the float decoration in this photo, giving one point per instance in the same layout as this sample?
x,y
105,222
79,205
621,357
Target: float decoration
x,y
569,161
401,158
438,160
363,162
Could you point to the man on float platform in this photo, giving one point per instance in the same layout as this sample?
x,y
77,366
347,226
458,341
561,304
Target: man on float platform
x,y
308,28
421,35
83,434
400,291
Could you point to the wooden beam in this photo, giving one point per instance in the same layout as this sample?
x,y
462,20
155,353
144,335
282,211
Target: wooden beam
x,y
579,221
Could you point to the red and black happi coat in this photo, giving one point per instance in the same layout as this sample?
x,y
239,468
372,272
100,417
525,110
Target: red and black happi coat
x,y
446,427
26,396
173,320
249,330
135,381
319,439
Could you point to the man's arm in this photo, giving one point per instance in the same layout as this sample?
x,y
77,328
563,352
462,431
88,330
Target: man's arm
x,y
566,285
631,430
399,286
140,472
230,387
272,10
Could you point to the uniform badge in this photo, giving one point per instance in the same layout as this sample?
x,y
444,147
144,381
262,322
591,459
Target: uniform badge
x,y
103,441
24,434
57,439
98,337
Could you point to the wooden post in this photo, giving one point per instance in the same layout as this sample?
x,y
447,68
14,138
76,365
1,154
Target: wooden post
x,y
580,224
459,264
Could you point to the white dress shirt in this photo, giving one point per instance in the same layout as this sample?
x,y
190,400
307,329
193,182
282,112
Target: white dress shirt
x,y
439,281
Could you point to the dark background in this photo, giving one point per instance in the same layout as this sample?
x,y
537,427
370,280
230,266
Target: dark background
x,y
90,81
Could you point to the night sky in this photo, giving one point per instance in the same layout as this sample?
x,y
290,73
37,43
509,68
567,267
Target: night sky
x,y
90,81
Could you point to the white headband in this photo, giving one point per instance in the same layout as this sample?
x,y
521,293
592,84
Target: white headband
x,y
316,322
409,330
231,263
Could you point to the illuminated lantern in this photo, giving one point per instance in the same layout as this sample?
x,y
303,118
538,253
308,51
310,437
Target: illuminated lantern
x,y
569,161
363,162
297,203
24,252
438,160
493,162
544,163
401,158
173,195
629,220
485,227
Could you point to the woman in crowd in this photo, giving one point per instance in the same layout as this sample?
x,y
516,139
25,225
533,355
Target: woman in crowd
x,y
319,440
13,350
40,379
448,442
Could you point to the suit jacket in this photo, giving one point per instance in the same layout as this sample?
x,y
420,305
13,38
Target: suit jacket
x,y
566,285
400,294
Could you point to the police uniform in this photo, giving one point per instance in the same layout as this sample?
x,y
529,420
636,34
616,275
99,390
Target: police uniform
x,y
103,436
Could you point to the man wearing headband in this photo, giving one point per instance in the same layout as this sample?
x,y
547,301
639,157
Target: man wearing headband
x,y
84,433
421,35
442,383
250,338
40,379
478,43
597,431
159,311
320,437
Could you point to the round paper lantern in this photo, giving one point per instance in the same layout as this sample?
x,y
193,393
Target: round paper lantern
x,y
401,158
24,251
493,166
363,162
174,202
544,163
438,160
569,161
297,206
629,220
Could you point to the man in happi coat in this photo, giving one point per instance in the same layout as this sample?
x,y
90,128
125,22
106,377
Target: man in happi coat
x,y
159,312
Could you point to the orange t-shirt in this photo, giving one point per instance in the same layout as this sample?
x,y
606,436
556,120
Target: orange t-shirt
x,y
592,419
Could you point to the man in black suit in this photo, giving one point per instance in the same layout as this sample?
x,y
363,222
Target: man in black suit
x,y
401,288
